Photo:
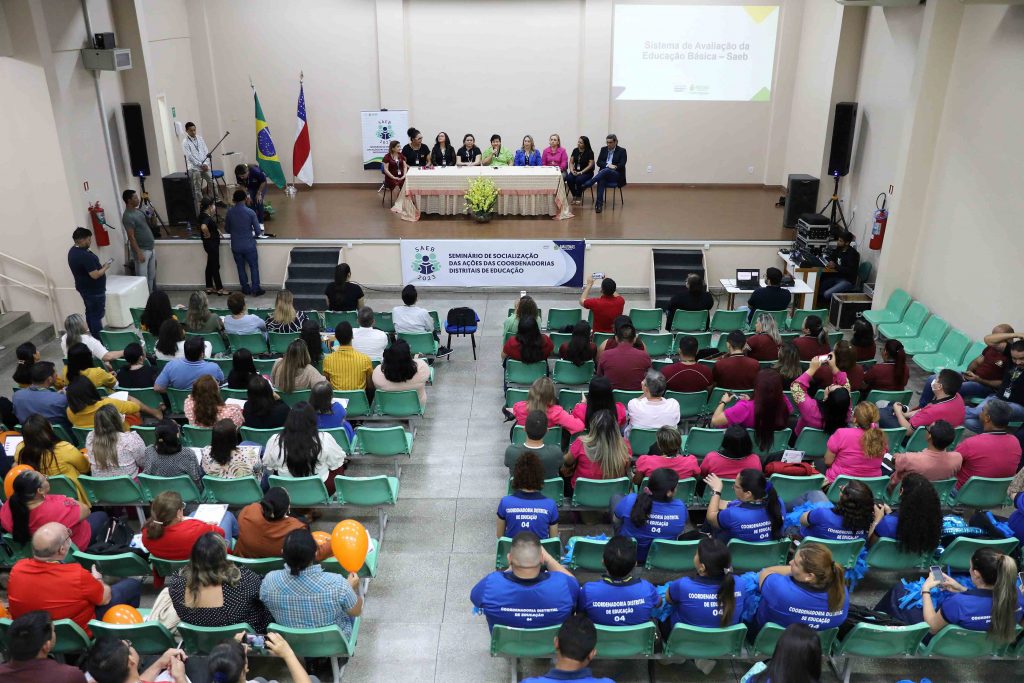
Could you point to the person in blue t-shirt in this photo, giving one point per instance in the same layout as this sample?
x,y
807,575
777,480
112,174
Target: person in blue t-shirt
x,y
527,596
527,509
756,513
994,604
710,599
619,599
182,373
652,513
1016,520
810,589
917,525
853,518
575,646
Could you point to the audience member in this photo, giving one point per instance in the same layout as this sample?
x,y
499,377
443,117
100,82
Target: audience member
x,y
343,295
158,310
797,659
242,369
852,518
263,408
813,339
303,595
710,599
618,599
330,413
228,661
27,356
771,297
45,453
541,396
843,358
204,407
368,340
985,373
947,405
213,591
756,513
167,457
892,374
284,318
916,525
934,463
525,307
527,508
345,368
224,459
863,339
409,317
811,589
994,452
652,410
668,444
605,307
263,526
599,396
240,321
766,413
138,374
75,330
1011,391
295,371
170,343
536,591
199,319
828,414
687,375
65,590
695,298
30,638
112,450
857,451
579,349
301,450
90,278
181,373
79,364
788,363
170,535
528,345
600,453
652,513
400,371
611,342
84,400
734,455
574,648
764,344
39,399
735,370
625,366
312,336
111,660
550,455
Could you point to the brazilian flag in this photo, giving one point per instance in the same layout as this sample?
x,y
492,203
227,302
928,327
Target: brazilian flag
x,y
266,153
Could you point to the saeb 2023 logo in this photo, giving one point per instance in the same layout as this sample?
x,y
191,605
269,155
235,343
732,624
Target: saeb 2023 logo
x,y
425,264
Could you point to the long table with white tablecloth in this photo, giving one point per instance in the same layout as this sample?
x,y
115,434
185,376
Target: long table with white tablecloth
x,y
522,191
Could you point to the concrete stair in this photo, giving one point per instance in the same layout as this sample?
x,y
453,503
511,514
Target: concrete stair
x,y
310,271
671,266
16,328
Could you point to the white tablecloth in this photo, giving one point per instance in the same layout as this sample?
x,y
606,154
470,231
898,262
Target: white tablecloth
x,y
124,292
523,191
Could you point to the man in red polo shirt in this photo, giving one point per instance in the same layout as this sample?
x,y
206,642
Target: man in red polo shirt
x,y
688,375
735,370
605,307
625,366
994,452
947,405
65,591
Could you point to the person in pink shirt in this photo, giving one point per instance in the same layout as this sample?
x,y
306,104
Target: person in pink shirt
x,y
669,443
829,414
933,463
599,396
766,413
542,397
554,154
857,451
32,505
734,455
948,405
993,453
601,453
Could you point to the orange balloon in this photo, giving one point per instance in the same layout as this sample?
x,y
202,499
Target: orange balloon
x,y
350,543
122,614
4,614
321,537
12,474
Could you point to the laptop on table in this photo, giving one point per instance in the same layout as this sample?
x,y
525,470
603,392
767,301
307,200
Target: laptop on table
x,y
747,278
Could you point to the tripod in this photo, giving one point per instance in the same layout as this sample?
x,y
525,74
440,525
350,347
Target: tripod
x,y
835,207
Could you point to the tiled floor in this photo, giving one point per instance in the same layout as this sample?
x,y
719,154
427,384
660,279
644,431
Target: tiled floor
x,y
418,623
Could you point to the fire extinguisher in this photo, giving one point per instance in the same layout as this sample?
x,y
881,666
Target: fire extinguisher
x,y
878,227
98,219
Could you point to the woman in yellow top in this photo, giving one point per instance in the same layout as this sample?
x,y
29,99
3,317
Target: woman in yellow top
x,y
45,453
80,365
84,401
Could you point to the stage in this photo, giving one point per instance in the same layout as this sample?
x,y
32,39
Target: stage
x,y
650,212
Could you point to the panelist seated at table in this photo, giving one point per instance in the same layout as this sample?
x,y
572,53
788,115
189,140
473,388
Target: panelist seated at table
x,y
395,166
772,297
416,153
527,155
497,155
611,169
554,154
469,154
581,169
443,154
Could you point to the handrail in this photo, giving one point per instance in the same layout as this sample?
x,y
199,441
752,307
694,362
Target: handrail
x,y
48,293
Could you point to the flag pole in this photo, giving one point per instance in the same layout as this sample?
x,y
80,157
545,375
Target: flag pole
x,y
295,185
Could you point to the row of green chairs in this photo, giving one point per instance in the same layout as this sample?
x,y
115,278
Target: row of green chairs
x,y
932,341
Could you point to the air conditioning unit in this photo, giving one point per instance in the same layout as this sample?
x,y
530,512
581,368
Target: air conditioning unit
x,y
880,3
118,59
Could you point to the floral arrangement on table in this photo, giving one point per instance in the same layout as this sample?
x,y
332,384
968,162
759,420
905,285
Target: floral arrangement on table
x,y
481,197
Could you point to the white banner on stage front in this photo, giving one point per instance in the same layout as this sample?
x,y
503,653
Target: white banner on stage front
x,y
379,129
492,263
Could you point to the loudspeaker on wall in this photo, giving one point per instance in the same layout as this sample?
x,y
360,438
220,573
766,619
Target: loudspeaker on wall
x,y
842,138
135,135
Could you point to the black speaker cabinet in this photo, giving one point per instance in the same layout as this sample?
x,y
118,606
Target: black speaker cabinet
x,y
801,198
842,138
181,207
135,135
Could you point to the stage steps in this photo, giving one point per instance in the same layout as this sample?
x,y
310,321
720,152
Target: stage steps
x,y
671,266
16,328
310,270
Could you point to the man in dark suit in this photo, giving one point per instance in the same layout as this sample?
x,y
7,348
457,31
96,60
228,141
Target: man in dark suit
x,y
611,169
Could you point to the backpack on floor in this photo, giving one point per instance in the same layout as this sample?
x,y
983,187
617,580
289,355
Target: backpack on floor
x,y
114,539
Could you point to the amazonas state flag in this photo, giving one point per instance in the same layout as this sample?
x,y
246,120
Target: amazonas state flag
x,y
266,153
